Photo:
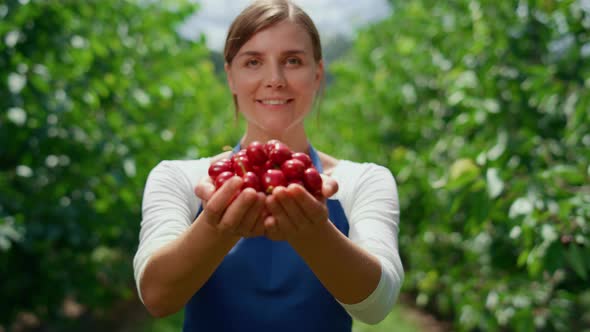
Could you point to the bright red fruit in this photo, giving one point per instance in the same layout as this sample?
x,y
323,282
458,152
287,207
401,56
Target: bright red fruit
x,y
251,180
303,157
258,170
270,145
256,153
219,167
221,178
265,166
241,153
271,179
312,180
293,169
279,153
270,165
242,165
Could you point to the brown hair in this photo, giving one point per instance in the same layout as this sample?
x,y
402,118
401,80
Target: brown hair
x,y
260,15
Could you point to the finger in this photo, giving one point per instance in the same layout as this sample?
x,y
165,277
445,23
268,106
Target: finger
x,y
251,216
205,189
258,229
286,226
290,202
313,209
236,213
271,229
329,186
221,199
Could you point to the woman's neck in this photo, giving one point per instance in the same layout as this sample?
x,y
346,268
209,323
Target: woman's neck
x,y
296,140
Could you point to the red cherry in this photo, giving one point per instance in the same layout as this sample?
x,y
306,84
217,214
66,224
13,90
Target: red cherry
x,y
293,169
270,165
256,153
219,167
241,153
273,178
312,180
221,178
279,153
303,157
251,180
270,145
242,165
258,170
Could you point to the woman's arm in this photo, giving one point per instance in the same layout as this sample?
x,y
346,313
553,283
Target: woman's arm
x,y
178,270
347,271
173,272
364,271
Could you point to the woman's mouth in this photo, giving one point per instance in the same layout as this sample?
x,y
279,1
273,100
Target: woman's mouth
x,y
274,102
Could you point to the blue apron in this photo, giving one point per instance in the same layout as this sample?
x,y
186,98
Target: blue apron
x,y
265,286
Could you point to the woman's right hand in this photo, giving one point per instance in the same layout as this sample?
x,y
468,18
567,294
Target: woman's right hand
x,y
230,210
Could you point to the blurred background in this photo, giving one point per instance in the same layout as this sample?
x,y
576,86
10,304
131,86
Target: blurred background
x,y
481,110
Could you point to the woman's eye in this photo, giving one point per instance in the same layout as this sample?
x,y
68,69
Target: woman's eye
x,y
252,63
293,61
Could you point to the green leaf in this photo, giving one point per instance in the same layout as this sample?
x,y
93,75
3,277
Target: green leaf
x,y
462,172
576,260
569,173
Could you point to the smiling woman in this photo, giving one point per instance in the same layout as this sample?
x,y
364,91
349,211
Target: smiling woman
x,y
274,78
236,259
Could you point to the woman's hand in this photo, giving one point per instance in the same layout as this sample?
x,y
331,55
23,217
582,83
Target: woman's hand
x,y
295,212
230,210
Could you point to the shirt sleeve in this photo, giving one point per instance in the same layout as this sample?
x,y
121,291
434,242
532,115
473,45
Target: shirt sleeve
x,y
372,208
168,209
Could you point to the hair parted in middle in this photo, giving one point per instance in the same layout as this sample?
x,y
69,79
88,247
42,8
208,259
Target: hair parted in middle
x,y
262,14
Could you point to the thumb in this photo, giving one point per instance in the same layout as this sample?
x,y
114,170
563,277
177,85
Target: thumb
x,y
329,186
205,189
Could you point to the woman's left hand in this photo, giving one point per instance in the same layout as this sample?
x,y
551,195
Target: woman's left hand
x,y
295,211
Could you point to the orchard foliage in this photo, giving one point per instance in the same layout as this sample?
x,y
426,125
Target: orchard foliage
x,y
93,94
481,109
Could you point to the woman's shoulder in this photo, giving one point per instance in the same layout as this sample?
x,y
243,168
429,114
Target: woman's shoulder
x,y
188,171
190,165
354,174
182,165
344,166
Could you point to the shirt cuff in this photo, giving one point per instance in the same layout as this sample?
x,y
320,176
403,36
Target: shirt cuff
x,y
379,303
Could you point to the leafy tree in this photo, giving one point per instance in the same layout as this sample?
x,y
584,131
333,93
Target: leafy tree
x,y
481,111
92,95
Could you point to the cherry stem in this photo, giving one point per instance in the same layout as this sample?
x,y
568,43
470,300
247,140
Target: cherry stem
x,y
241,164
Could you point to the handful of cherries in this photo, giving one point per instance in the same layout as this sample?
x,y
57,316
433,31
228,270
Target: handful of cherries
x,y
264,167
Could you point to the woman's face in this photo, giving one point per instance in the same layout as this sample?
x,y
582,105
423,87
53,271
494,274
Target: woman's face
x,y
275,77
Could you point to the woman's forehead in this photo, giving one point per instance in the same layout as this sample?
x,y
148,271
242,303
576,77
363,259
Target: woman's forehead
x,y
285,36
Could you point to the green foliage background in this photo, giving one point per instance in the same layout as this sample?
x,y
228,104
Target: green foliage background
x,y
480,109
93,95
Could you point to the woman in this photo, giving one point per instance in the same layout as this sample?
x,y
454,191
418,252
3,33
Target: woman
x,y
284,262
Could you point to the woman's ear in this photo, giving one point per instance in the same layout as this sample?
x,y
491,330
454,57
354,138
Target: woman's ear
x,y
230,80
319,75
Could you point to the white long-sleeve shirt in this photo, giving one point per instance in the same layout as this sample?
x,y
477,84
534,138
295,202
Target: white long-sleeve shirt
x,y
367,193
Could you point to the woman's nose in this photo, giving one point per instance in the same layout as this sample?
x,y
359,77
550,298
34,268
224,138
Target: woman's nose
x,y
275,77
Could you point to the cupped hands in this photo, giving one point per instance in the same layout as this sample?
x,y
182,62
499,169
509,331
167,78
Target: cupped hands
x,y
287,213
